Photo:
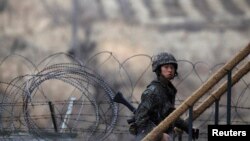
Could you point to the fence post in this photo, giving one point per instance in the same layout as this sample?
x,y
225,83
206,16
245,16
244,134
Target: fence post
x,y
190,123
52,112
67,115
216,115
229,90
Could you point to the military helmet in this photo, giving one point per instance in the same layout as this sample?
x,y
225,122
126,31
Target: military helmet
x,y
162,59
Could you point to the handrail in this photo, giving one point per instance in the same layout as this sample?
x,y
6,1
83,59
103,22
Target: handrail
x,y
202,90
220,91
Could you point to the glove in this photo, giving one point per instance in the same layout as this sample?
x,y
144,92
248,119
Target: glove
x,y
133,129
195,133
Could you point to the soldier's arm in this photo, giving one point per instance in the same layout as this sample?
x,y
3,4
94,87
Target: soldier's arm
x,y
148,102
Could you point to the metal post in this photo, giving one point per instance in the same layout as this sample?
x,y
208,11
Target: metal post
x,y
216,116
67,115
190,123
180,137
75,5
52,112
229,88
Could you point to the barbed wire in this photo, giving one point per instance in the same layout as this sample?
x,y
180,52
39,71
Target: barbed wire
x,y
93,83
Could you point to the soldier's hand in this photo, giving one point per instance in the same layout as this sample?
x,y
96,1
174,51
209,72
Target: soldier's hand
x,y
133,129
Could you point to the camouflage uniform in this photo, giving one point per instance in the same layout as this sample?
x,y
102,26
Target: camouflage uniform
x,y
157,102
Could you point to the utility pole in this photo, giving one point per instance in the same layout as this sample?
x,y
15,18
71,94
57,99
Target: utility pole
x,y
74,21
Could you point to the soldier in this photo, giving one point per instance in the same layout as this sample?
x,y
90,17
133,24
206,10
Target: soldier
x,y
158,100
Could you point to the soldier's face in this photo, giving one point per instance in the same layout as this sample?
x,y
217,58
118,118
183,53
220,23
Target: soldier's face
x,y
168,71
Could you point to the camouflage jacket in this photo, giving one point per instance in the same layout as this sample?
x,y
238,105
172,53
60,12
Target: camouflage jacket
x,y
157,102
